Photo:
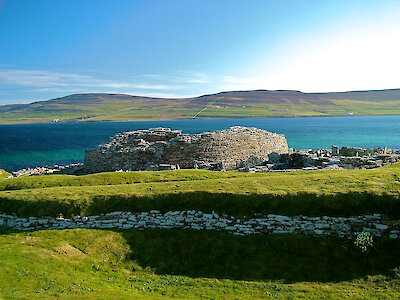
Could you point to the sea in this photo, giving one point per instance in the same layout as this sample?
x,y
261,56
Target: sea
x,y
31,145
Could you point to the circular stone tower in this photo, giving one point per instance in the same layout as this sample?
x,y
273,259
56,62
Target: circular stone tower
x,y
144,149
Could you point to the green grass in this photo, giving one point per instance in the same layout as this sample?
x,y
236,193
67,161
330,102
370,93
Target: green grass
x,y
151,264
3,174
240,194
114,178
188,264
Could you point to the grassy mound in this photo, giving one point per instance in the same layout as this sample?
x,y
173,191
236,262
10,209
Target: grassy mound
x,y
3,174
192,264
332,193
113,178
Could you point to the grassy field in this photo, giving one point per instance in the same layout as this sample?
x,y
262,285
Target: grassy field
x,y
313,192
154,264
3,174
188,264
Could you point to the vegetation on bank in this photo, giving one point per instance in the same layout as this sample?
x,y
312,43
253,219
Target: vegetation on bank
x,y
114,178
154,264
333,193
3,174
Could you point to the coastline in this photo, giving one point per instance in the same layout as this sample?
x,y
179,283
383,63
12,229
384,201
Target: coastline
x,y
187,119
34,144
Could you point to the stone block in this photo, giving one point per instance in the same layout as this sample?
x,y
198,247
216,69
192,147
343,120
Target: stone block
x,y
322,225
381,226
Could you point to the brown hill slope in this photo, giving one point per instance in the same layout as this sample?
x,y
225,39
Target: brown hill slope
x,y
259,103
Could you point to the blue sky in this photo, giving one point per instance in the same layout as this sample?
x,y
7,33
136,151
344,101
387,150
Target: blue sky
x,y
178,48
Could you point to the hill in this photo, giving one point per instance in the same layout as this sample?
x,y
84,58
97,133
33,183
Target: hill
x,y
236,104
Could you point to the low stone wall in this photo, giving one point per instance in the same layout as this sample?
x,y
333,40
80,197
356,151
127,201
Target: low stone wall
x,y
269,224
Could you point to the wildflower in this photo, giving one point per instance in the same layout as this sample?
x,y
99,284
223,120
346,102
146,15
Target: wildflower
x,y
364,241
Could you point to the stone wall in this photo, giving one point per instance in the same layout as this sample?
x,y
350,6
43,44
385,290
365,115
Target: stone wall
x,y
270,224
148,149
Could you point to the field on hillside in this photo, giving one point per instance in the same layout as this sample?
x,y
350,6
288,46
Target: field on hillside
x,y
156,263
242,104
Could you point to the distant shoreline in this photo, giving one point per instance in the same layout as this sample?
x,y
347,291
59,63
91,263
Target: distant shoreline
x,y
188,119
101,107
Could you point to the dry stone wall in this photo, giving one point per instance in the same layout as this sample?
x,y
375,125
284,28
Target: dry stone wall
x,y
154,148
346,227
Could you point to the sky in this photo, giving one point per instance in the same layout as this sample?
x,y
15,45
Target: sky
x,y
185,48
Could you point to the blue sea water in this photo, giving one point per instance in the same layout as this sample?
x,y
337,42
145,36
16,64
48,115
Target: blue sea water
x,y
29,145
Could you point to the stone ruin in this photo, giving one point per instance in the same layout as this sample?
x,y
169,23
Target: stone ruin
x,y
336,158
163,148
241,148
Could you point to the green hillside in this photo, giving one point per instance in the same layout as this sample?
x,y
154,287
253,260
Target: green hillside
x,y
3,174
241,104
191,264
178,264
313,192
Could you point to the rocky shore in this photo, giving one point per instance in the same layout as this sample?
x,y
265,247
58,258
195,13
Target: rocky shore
x,y
345,158
56,169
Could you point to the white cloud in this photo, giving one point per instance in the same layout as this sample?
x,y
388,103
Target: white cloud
x,y
30,85
181,78
54,81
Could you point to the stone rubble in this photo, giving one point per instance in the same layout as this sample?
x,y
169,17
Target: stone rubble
x,y
56,169
346,227
323,159
163,148
242,148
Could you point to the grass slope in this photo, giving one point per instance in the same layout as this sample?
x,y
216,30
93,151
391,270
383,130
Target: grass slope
x,y
151,264
242,104
189,264
3,174
240,194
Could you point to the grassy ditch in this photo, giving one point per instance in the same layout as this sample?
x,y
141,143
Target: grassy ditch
x,y
152,264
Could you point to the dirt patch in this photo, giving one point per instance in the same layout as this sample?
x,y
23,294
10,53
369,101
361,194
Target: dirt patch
x,y
69,251
40,252
30,239
108,248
